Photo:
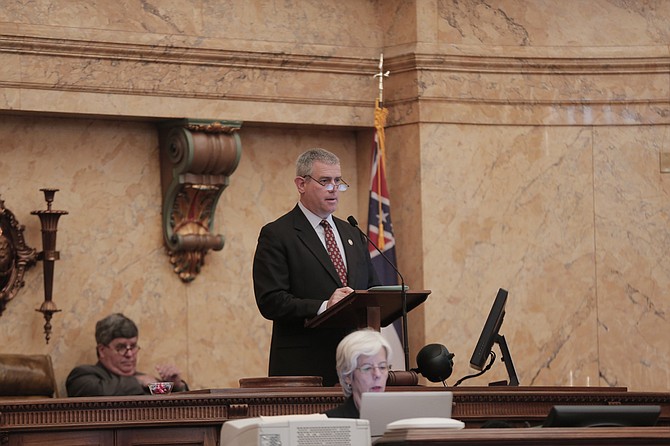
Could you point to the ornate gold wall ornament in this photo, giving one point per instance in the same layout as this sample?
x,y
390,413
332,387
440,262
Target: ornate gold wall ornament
x,y
15,256
197,159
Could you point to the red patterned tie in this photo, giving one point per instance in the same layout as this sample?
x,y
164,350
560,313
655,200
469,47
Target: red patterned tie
x,y
334,252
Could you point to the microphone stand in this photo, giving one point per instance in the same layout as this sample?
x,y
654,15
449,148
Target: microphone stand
x,y
403,292
405,341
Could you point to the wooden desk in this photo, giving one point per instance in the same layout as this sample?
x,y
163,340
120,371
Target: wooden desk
x,y
196,417
647,436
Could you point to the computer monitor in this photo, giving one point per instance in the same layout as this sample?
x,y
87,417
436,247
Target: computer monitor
x,y
382,408
491,334
602,416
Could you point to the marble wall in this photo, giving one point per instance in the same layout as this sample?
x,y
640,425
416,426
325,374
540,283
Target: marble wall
x,y
111,245
567,220
523,145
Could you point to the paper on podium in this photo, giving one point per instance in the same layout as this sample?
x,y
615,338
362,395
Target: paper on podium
x,y
387,288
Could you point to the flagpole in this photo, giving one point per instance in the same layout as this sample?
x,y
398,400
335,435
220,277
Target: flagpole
x,y
381,75
380,122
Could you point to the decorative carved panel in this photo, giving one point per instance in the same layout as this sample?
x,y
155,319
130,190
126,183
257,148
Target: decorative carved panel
x,y
197,160
15,256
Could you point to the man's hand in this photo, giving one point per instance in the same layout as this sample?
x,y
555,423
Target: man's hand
x,y
169,372
145,379
338,295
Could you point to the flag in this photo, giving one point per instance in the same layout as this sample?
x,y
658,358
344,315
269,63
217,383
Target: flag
x,y
380,230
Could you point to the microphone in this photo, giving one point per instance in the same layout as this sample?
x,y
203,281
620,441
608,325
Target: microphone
x,y
403,293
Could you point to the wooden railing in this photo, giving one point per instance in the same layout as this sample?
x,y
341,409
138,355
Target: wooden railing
x,y
197,417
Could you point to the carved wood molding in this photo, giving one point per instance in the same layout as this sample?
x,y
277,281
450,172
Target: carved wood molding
x,y
535,403
15,256
197,160
212,407
181,409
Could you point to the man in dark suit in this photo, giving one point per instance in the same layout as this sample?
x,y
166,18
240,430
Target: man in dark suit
x,y
295,277
116,372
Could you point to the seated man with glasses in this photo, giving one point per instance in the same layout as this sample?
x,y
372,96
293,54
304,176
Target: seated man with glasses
x,y
115,374
363,363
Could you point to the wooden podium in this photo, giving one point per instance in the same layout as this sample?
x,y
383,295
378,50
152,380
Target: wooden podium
x,y
370,308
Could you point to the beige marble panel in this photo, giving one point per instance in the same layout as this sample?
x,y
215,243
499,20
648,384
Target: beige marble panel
x,y
9,99
112,254
465,112
166,77
542,85
139,66
108,106
346,23
112,257
399,20
405,184
573,23
520,94
511,208
632,204
92,78
168,17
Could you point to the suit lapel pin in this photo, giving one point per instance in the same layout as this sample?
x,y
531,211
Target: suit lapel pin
x,y
350,242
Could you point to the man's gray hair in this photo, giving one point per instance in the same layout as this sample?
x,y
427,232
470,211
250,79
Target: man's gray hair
x,y
114,326
305,162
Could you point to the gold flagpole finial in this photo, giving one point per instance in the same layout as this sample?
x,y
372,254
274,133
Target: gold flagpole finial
x,y
381,75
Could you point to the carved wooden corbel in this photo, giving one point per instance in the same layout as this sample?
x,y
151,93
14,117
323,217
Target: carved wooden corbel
x,y
15,256
197,160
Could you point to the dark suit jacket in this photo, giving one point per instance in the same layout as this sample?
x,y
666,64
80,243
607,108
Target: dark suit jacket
x,y
96,380
347,409
293,275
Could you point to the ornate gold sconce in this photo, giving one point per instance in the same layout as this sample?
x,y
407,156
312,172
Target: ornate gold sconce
x,y
48,256
197,160
15,256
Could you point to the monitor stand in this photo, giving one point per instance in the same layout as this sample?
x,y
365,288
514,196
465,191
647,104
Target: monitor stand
x,y
509,365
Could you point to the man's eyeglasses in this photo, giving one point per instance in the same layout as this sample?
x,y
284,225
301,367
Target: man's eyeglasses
x,y
368,368
122,349
330,186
